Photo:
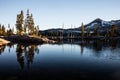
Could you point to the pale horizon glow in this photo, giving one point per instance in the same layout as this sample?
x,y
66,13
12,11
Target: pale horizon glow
x,y
54,13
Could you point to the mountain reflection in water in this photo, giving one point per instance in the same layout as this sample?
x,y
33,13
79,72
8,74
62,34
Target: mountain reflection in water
x,y
66,60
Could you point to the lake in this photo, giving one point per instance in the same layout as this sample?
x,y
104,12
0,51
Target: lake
x,y
65,60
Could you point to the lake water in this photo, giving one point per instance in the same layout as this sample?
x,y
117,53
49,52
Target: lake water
x,y
68,61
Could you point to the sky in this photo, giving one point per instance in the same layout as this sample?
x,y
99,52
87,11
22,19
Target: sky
x,y
54,13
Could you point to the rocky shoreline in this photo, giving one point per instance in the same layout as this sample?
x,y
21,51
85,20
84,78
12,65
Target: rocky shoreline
x,y
28,39
3,41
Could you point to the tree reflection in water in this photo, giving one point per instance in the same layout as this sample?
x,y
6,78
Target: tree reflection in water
x,y
2,49
98,46
26,53
82,47
20,56
10,45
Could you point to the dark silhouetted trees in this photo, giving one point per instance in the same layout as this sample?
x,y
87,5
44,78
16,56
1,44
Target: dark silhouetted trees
x,y
114,30
10,31
82,31
95,32
88,33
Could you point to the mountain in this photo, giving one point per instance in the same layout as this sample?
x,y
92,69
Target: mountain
x,y
101,24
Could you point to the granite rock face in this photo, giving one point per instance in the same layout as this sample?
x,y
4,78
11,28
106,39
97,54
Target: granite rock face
x,y
3,41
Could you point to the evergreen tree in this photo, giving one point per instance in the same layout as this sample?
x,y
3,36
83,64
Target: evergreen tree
x,y
8,25
107,34
38,30
25,30
19,23
29,23
114,30
96,32
9,32
82,30
13,30
3,30
88,33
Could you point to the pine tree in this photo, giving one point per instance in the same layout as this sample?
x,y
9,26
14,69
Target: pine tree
x,y
71,34
28,27
9,32
82,31
88,33
114,30
13,30
29,23
25,30
19,23
3,30
37,31
96,32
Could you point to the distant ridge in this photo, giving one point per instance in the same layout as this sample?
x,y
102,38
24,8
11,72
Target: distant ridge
x,y
101,24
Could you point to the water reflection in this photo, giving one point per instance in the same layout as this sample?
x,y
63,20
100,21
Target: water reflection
x,y
73,58
82,47
2,49
20,56
27,52
23,52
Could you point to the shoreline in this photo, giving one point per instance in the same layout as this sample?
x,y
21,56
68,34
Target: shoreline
x,y
27,39
3,41
86,38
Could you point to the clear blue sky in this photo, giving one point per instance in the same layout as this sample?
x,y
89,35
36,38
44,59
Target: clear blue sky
x,y
53,13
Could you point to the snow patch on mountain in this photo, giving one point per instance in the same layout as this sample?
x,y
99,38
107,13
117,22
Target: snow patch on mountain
x,y
92,25
102,24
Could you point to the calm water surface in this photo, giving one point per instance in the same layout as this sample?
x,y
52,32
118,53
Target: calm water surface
x,y
72,61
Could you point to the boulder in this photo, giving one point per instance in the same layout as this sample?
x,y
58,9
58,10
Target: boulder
x,y
3,41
